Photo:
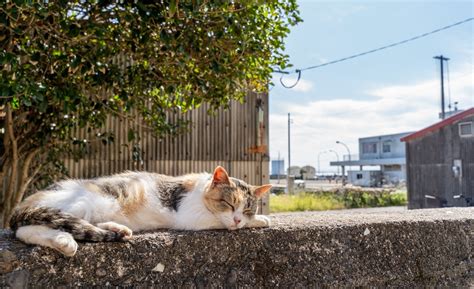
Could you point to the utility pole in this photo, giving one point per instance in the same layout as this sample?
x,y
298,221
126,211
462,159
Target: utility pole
x,y
290,181
289,145
441,62
278,173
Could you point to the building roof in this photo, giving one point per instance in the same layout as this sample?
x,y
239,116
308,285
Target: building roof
x,y
439,125
371,162
400,134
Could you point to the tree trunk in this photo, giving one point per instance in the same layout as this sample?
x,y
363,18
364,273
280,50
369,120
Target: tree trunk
x,y
22,183
13,172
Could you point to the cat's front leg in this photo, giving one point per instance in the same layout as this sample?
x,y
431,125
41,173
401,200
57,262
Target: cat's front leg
x,y
259,221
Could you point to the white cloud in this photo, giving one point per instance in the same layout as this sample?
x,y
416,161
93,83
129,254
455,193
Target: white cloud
x,y
317,125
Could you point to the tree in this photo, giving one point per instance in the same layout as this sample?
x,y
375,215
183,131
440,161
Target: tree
x,y
70,64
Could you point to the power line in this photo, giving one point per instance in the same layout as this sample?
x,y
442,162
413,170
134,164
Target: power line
x,y
300,70
364,108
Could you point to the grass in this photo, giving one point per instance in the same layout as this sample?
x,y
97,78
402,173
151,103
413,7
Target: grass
x,y
303,202
321,201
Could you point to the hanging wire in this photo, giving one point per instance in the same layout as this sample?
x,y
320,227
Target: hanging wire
x,y
366,52
296,82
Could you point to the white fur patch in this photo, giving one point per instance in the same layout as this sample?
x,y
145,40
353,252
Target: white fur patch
x,y
192,213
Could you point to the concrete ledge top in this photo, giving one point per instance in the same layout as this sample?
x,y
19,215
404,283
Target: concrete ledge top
x,y
367,216
383,247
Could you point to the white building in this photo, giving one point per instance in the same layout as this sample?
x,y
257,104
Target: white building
x,y
386,152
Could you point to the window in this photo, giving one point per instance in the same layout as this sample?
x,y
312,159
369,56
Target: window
x,y
360,176
386,148
466,129
369,148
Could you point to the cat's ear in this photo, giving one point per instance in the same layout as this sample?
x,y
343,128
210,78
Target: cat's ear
x,y
220,177
260,191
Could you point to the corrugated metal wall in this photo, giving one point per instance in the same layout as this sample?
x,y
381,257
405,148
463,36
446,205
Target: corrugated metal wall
x,y
236,138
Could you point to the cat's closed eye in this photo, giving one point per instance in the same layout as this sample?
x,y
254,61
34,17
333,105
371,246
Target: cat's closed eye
x,y
228,204
248,211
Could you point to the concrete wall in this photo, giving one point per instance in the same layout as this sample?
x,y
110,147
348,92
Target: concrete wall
x,y
389,247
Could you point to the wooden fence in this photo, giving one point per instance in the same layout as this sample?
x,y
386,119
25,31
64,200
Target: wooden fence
x,y
236,138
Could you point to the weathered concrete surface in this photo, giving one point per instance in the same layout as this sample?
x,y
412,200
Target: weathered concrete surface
x,y
378,248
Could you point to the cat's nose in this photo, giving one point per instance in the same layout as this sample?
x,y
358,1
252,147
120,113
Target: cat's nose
x,y
237,220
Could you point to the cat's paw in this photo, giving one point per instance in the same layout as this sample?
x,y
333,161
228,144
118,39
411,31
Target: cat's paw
x,y
65,244
260,221
124,232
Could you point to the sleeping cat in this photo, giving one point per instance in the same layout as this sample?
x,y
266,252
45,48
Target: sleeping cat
x,y
110,208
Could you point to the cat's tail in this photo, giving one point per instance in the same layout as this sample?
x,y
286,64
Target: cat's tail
x,y
53,218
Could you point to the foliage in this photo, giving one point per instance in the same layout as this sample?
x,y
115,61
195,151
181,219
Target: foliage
x,y
303,202
71,64
332,200
359,198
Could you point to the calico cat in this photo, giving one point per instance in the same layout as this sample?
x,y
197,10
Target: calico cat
x,y
110,208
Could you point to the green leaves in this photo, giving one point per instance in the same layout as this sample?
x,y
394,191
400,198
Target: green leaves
x,y
15,102
72,63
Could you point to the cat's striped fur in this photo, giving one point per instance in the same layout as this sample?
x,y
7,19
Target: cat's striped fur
x,y
55,219
109,208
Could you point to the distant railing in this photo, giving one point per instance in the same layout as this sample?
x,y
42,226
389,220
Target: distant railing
x,y
350,157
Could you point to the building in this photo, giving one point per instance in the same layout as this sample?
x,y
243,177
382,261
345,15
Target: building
x,y
295,171
440,163
386,152
278,168
367,178
308,173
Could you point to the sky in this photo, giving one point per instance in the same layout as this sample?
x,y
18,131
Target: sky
x,y
391,91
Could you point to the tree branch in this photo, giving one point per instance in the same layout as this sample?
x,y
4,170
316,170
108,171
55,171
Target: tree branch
x,y
24,180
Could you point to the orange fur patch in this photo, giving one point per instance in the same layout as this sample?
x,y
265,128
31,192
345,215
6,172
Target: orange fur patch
x,y
190,181
133,200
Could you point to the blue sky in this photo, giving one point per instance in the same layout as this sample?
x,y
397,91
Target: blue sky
x,y
390,91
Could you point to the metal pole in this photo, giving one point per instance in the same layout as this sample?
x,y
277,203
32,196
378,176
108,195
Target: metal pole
x,y
343,176
289,188
443,113
349,152
441,62
289,144
278,172
347,148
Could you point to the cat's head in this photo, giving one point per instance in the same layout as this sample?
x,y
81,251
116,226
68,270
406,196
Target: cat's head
x,y
233,201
